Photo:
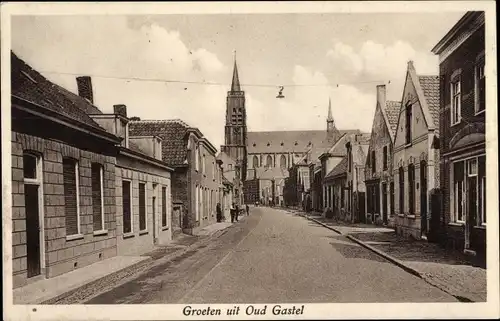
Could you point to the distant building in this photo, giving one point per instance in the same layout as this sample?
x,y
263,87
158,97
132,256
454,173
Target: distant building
x,y
416,154
63,180
195,181
462,131
379,165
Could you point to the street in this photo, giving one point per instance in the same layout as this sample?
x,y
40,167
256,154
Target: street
x,y
273,256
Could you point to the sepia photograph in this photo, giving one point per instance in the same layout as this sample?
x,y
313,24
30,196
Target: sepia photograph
x,y
248,160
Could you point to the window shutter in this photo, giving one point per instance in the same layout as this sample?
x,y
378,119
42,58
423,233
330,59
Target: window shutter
x,y
142,206
164,206
70,196
127,222
97,197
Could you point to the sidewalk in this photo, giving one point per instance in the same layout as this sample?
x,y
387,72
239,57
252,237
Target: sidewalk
x,y
449,270
77,285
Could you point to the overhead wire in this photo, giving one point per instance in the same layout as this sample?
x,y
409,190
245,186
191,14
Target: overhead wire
x,y
209,83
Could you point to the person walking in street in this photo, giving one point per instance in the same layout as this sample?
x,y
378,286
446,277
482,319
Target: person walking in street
x,y
232,212
218,210
247,209
236,215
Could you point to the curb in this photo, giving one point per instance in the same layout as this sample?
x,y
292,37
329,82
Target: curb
x,y
392,260
147,263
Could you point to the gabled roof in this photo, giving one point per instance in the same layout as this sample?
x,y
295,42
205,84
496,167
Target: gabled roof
x,y
427,90
173,132
31,86
391,115
339,170
430,87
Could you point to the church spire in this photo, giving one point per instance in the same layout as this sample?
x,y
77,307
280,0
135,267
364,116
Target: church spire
x,y
330,117
235,85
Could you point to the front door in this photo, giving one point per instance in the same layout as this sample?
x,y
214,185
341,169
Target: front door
x,y
423,198
32,229
384,203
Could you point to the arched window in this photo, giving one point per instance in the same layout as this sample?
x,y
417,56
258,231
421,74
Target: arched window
x,y
269,161
283,161
255,162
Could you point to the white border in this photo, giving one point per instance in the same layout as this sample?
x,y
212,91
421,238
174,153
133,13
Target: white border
x,y
313,311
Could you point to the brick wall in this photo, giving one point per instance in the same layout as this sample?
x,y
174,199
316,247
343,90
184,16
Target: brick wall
x,y
137,242
61,254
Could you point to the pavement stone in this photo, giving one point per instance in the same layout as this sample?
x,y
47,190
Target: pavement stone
x,y
448,270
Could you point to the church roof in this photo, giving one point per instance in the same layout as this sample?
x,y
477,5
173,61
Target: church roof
x,y
286,141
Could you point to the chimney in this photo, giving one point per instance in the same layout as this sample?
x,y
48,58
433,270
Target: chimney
x,y
84,84
381,95
120,110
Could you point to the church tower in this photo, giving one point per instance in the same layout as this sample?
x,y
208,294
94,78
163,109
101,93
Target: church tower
x,y
235,130
332,133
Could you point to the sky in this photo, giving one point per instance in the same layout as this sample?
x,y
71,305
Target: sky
x,y
314,57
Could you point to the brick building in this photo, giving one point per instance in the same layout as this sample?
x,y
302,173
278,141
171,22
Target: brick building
x,y
357,149
63,180
142,181
462,133
416,154
378,169
196,181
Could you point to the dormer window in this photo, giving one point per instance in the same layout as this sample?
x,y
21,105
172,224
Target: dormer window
x,y
254,145
268,144
282,144
296,143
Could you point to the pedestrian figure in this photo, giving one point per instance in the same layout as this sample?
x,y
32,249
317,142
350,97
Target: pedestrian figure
x,y
237,212
219,213
232,210
248,209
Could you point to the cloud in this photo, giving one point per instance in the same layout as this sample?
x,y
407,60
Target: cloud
x,y
110,46
375,61
306,107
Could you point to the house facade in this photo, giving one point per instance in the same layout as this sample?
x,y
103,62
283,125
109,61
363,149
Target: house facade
x,y
63,180
379,164
195,181
356,150
462,133
416,155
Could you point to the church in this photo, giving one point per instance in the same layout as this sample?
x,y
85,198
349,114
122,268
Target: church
x,y
263,158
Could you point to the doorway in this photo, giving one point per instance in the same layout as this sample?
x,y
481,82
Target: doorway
x,y
32,168
423,198
155,223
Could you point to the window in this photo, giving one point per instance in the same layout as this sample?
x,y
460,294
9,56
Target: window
x,y
127,206
349,160
142,207
480,87
97,197
164,207
203,164
255,162
385,157
482,189
283,161
408,122
230,166
197,203
373,162
455,102
269,161
401,190
458,191
71,196
384,200
411,189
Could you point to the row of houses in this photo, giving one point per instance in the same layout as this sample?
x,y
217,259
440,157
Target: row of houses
x,y
89,185
422,169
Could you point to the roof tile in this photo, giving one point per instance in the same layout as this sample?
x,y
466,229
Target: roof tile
x,y
430,87
392,109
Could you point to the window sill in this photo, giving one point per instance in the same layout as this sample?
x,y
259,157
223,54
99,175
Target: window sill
x,y
401,215
128,235
143,232
480,227
100,232
458,224
75,237
164,228
411,216
455,124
